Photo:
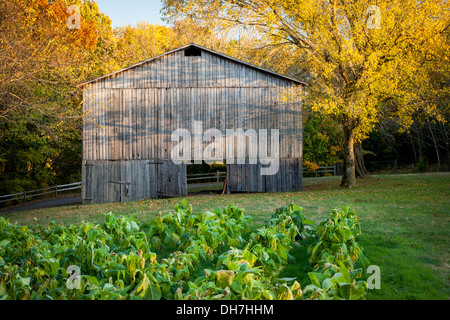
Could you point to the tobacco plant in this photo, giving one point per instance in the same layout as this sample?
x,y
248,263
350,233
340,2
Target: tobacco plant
x,y
180,255
334,255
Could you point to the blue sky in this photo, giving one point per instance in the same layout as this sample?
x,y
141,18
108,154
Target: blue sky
x,y
123,12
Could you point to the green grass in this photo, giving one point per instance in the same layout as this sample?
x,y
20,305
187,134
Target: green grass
x,y
404,220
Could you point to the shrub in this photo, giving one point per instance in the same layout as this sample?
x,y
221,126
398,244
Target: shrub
x,y
422,165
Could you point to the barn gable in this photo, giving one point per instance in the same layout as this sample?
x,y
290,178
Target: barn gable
x,y
191,66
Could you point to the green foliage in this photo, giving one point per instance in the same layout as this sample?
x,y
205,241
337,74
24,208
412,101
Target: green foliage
x,y
321,140
40,107
422,165
334,255
123,258
31,158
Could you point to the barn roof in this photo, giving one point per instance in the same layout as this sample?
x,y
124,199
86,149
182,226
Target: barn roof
x,y
199,47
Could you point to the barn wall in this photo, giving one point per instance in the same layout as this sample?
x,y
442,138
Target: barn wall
x,y
247,177
133,124
131,180
130,116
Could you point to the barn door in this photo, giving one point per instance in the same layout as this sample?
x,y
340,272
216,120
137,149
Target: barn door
x,y
119,182
145,179
132,180
171,179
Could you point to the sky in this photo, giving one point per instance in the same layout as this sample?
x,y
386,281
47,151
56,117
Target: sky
x,y
124,12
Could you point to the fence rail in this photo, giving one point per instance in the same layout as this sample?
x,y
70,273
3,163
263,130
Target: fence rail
x,y
206,176
335,170
23,196
330,169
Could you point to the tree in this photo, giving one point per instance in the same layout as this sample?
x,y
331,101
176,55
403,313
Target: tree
x,y
42,60
359,55
141,42
321,139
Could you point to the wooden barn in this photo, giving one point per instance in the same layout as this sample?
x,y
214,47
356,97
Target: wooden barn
x,y
130,117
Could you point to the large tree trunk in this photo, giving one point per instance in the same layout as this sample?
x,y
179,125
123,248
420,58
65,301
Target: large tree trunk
x,y
348,175
361,170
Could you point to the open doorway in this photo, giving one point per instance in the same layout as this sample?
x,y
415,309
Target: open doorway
x,y
206,179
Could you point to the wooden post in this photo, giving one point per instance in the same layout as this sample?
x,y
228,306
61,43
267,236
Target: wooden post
x,y
56,191
217,175
395,165
25,196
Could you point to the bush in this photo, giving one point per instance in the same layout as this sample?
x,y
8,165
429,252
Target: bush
x,y
422,165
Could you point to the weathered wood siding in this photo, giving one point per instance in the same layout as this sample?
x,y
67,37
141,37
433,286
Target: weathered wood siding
x,y
247,177
132,180
130,115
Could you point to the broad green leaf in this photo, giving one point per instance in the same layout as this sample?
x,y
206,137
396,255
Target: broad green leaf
x,y
269,295
153,292
317,278
351,291
236,286
282,252
328,284
225,278
251,270
93,281
284,293
316,251
345,273
345,234
232,265
250,258
192,285
338,278
4,243
182,273
34,296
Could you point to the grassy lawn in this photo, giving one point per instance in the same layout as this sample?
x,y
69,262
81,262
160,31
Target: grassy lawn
x,y
404,220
